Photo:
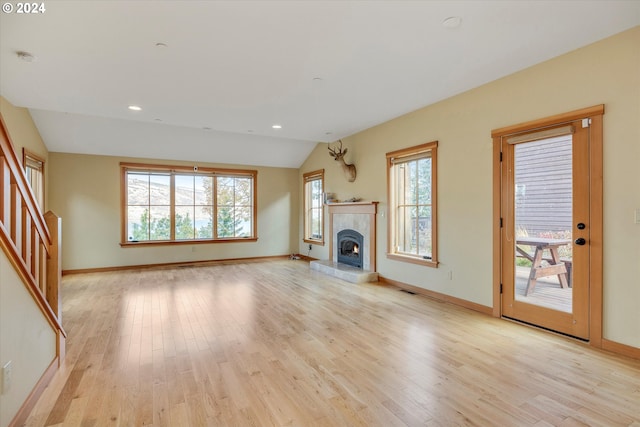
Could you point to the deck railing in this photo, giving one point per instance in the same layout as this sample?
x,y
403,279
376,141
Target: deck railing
x,y
30,240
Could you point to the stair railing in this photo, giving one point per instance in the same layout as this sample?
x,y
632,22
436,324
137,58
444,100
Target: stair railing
x,y
32,241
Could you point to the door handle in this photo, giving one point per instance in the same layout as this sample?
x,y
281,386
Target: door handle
x,y
580,241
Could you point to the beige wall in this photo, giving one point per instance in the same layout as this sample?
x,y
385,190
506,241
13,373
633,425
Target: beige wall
x,y
24,134
26,338
607,72
85,192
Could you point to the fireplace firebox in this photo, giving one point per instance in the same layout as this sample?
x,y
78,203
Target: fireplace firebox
x,y
350,248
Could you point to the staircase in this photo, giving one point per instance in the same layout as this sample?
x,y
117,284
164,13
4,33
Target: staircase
x,y
31,242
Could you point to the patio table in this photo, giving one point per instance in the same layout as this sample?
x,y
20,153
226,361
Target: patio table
x,y
555,267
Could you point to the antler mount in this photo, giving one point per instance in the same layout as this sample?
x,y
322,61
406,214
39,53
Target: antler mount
x,y
338,155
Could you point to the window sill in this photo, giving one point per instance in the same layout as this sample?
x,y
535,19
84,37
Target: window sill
x,y
314,242
186,242
413,260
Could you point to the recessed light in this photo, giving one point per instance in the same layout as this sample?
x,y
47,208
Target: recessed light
x,y
277,126
452,22
25,56
328,133
250,131
157,120
135,108
161,45
206,128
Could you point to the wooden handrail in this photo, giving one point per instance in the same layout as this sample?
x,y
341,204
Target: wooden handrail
x,y
25,236
20,181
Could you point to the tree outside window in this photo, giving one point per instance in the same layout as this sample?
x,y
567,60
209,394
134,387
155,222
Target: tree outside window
x,y
412,201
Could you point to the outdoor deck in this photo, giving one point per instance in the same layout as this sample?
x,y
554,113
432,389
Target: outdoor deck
x,y
548,292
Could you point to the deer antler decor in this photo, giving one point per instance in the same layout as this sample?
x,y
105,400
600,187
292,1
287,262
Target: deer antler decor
x,y
338,155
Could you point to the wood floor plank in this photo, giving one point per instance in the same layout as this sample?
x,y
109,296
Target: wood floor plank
x,y
276,344
161,412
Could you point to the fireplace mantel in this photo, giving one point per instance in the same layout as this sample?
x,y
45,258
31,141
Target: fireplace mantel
x,y
353,207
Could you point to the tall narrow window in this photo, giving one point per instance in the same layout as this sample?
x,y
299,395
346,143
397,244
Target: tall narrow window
x,y
313,207
34,170
165,204
411,184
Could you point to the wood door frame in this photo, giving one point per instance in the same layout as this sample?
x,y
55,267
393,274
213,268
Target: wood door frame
x,y
594,113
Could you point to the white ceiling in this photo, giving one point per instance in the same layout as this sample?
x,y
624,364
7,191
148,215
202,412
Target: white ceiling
x,y
232,69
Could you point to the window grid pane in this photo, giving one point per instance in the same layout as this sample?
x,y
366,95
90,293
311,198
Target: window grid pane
x,y
148,206
138,189
184,222
160,222
160,190
138,224
225,224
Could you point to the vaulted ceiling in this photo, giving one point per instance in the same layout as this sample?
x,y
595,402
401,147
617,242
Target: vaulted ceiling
x,y
213,77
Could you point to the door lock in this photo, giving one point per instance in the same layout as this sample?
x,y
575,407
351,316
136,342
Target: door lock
x,y
581,226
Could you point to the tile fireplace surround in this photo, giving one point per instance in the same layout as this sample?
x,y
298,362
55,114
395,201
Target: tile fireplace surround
x,y
359,216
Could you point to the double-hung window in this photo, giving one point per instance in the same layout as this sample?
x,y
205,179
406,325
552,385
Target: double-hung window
x,y
412,230
175,204
34,171
313,207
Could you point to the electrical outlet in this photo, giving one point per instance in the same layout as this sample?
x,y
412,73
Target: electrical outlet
x,y
310,246
7,377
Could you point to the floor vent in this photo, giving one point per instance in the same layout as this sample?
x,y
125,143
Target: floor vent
x,y
407,291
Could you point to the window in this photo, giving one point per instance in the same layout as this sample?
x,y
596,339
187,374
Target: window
x,y
169,204
34,170
412,204
313,207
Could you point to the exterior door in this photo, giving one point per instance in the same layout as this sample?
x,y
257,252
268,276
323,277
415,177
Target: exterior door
x,y
545,211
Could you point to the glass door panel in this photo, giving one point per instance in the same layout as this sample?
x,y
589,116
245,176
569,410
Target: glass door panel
x,y
543,218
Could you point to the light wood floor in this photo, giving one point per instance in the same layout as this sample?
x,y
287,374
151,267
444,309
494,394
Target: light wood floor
x,y
275,344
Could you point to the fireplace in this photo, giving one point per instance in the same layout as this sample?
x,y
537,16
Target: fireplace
x,y
350,247
352,242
